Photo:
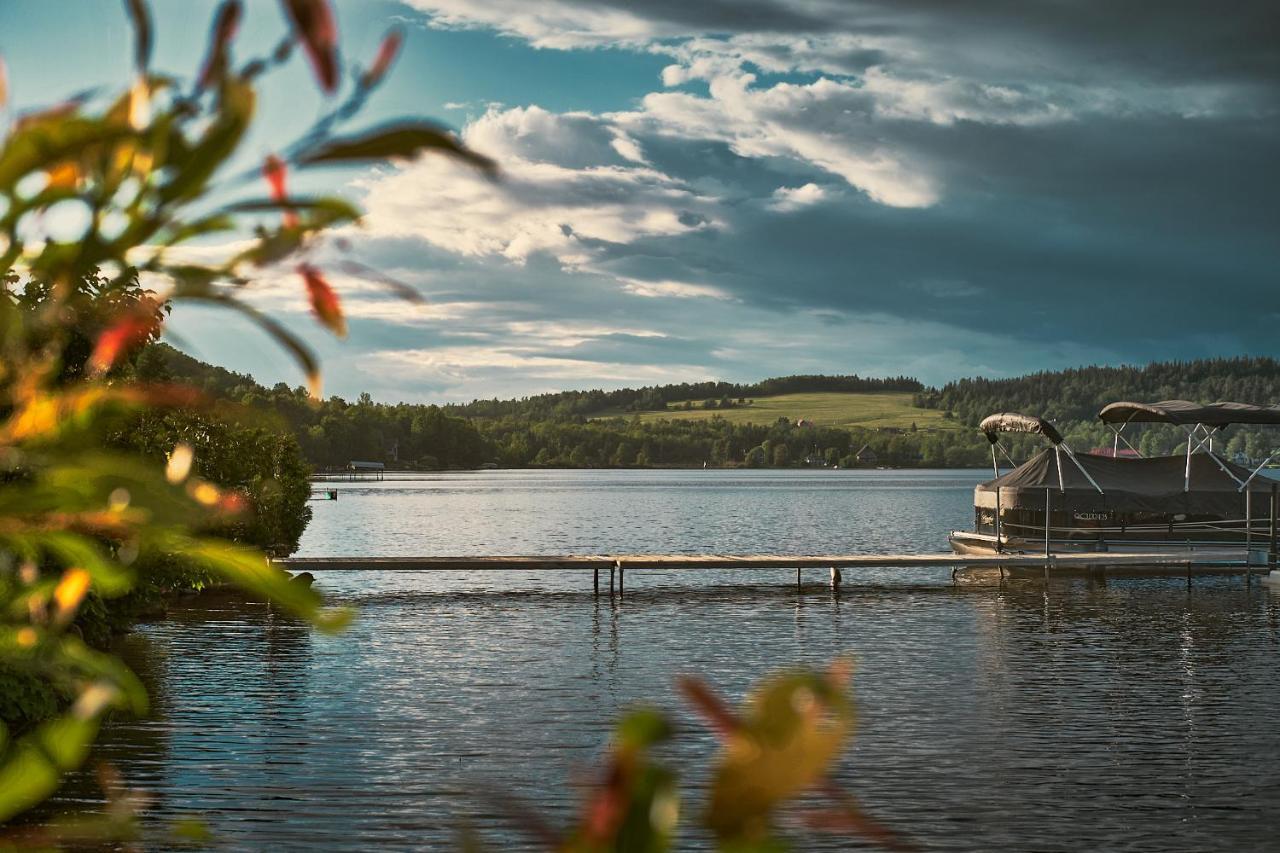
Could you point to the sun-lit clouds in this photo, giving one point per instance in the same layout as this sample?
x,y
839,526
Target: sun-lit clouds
x,y
455,373
562,334
790,186
824,124
569,183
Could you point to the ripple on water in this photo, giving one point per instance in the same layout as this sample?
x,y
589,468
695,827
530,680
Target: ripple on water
x,y
1126,714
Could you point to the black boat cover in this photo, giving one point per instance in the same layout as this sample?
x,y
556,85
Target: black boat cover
x,y
1014,422
1129,485
1186,412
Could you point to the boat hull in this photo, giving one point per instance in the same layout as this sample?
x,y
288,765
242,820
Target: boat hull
x,y
967,542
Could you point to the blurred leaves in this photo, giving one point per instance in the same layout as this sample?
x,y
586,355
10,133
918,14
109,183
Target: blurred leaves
x,y
635,806
395,140
217,61
145,167
777,754
315,27
324,302
140,19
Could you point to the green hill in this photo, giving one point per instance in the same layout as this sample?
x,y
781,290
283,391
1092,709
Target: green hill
x,y
868,410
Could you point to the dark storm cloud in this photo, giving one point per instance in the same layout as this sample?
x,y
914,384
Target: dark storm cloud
x,y
937,188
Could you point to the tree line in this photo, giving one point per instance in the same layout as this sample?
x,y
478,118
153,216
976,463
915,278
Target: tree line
x,y
1072,399
594,429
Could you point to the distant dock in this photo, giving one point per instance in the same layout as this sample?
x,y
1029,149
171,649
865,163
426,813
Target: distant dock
x,y
618,564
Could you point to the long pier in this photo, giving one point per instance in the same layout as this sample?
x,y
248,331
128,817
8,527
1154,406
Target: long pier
x,y
1221,559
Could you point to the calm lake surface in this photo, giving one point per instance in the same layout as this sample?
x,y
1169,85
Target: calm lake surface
x,y
1129,714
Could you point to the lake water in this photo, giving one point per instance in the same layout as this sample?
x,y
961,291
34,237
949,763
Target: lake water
x,y
1132,714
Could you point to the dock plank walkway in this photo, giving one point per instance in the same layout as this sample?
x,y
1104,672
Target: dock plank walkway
x,y
1205,557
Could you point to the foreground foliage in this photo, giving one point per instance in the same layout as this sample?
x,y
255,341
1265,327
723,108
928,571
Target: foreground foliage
x,y
772,773
110,481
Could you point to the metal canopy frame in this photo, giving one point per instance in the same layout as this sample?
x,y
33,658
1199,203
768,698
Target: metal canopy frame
x,y
1060,446
1199,437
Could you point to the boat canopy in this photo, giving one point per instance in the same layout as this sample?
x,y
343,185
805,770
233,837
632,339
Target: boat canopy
x,y
1000,422
1102,483
1189,414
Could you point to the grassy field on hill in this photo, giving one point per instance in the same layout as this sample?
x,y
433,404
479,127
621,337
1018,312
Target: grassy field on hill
x,y
869,410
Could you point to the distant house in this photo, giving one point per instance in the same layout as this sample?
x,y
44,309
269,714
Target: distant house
x,y
866,456
359,470
1124,453
803,423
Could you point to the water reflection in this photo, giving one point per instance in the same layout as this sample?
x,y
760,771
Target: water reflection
x,y
1128,713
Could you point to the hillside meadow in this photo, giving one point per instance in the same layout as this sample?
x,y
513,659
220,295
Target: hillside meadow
x,y
831,409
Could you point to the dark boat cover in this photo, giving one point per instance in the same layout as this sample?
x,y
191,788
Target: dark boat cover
x,y
1186,412
1128,485
1014,422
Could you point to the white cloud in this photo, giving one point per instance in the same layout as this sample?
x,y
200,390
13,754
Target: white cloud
x,y
549,23
569,334
824,124
458,366
565,189
788,199
673,289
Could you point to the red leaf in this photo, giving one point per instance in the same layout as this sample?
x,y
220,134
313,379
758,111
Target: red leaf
x,y
128,332
711,706
314,24
225,25
275,170
386,55
324,302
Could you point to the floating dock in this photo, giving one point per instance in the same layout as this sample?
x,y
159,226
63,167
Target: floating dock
x,y
1158,562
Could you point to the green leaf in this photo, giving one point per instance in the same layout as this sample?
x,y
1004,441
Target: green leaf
x,y
53,140
36,762
300,352
109,578
405,140
249,569
219,142
794,727
334,209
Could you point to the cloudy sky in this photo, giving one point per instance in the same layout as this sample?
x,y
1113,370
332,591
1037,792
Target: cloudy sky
x,y
746,188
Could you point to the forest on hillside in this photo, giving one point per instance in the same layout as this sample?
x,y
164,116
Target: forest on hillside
x,y
1072,399
590,429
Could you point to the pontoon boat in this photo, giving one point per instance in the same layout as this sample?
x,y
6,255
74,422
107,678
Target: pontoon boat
x,y
1096,502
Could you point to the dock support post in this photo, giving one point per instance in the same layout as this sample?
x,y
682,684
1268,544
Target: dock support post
x,y
1248,535
835,578
797,578
611,571
998,547
1048,505
622,578
1271,555
596,573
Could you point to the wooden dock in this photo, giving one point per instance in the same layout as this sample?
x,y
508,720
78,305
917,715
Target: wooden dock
x,y
1164,562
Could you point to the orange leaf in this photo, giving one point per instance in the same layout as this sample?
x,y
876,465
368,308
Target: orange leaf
x,y
314,24
386,55
64,175
324,302
69,592
4,84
